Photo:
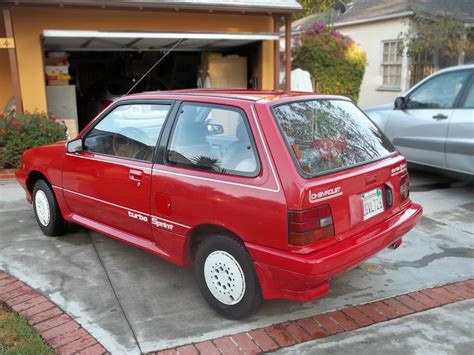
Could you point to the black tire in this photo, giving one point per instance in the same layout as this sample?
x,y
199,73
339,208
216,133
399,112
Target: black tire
x,y
251,298
54,226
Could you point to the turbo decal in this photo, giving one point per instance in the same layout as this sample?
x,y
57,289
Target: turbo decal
x,y
399,169
159,224
138,216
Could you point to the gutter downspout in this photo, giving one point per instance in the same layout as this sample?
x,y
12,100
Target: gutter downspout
x,y
13,61
276,54
288,53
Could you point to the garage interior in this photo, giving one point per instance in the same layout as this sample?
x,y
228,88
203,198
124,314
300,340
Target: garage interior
x,y
87,70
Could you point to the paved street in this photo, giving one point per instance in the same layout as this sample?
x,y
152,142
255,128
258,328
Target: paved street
x,y
134,302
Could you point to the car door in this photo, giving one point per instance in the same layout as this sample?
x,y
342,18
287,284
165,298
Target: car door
x,y
204,171
109,181
460,139
420,127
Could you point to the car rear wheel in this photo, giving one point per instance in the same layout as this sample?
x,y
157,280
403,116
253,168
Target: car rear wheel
x,y
47,213
226,277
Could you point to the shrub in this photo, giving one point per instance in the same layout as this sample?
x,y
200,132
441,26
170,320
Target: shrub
x,y
19,132
334,60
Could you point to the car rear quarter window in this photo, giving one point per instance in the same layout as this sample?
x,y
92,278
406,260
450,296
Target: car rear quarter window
x,y
129,131
214,138
327,135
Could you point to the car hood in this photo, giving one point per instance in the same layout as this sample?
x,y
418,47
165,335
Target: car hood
x,y
385,107
380,115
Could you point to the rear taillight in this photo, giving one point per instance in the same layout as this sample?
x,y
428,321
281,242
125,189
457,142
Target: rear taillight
x,y
404,187
310,226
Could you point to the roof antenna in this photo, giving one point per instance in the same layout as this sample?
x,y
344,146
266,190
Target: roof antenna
x,y
154,65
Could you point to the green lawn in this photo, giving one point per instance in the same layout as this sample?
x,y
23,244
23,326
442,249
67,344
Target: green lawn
x,y
18,337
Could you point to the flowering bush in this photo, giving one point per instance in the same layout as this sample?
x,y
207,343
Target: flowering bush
x,y
19,132
334,60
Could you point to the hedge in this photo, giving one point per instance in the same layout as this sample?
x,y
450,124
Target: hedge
x,y
335,61
19,132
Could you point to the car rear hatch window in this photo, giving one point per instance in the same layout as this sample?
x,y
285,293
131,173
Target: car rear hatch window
x,y
329,134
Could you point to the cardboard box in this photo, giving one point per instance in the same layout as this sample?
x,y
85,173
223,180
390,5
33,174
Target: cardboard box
x,y
57,69
56,61
58,82
228,72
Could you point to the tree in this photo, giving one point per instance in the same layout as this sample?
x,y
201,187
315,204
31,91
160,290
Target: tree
x,y
314,6
434,36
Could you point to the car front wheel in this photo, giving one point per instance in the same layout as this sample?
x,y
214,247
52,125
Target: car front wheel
x,y
226,276
47,213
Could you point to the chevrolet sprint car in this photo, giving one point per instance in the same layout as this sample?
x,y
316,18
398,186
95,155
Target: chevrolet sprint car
x,y
267,195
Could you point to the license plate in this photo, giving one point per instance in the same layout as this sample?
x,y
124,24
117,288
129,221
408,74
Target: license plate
x,y
373,203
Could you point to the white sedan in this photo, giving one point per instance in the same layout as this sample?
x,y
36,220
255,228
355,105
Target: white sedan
x,y
432,125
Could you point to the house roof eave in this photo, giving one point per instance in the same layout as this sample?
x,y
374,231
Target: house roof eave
x,y
274,7
374,19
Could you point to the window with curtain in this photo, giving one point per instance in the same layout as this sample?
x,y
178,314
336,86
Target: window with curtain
x,y
391,65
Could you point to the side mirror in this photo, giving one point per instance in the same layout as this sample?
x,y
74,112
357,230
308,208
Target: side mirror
x,y
214,129
399,103
74,146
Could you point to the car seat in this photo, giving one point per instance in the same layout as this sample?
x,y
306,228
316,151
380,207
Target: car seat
x,y
190,137
239,156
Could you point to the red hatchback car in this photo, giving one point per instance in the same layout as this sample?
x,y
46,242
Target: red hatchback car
x,y
267,195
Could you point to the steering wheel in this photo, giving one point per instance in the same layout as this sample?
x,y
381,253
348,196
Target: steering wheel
x,y
128,143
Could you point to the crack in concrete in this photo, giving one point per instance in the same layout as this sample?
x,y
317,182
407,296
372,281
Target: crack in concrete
x,y
427,259
425,221
115,293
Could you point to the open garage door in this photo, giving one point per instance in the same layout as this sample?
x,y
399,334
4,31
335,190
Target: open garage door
x,y
66,40
96,67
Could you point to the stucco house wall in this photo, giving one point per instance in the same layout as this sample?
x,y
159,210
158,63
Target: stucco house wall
x,y
6,88
371,36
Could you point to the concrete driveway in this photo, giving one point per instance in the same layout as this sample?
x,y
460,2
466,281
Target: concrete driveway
x,y
134,302
443,330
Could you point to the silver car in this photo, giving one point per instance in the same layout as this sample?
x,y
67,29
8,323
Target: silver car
x,y
432,125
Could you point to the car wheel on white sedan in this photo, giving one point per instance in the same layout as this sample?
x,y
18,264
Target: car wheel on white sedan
x,y
47,213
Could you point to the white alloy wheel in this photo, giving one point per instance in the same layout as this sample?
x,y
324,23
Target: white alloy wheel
x,y
42,208
224,277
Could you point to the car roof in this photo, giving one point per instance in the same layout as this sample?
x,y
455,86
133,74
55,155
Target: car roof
x,y
245,95
436,73
453,68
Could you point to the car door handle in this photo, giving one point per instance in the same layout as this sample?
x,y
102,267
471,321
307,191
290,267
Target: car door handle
x,y
135,174
440,116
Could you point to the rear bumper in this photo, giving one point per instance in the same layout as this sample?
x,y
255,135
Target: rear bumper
x,y
305,277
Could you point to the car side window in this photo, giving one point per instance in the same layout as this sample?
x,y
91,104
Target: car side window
x,y
213,138
439,92
469,100
129,131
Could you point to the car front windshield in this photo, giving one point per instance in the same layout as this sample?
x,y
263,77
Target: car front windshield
x,y
329,134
